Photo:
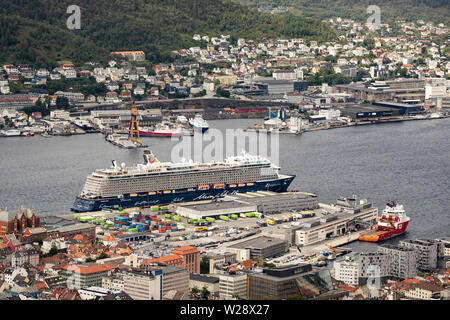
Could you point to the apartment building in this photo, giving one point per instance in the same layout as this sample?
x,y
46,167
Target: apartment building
x,y
427,252
356,269
402,261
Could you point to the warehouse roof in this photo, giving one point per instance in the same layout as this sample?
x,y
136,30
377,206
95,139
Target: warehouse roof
x,y
219,205
258,243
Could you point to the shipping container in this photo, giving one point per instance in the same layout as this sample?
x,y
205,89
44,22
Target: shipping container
x,y
225,218
234,216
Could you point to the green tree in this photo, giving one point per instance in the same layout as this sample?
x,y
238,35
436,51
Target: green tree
x,y
195,291
205,293
204,265
62,103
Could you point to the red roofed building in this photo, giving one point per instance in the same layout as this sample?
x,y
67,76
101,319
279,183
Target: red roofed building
x,y
187,257
191,258
86,275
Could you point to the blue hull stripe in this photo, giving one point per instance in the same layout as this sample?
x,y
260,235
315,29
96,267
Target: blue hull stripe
x,y
84,205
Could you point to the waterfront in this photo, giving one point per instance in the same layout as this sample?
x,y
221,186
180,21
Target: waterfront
x,y
407,162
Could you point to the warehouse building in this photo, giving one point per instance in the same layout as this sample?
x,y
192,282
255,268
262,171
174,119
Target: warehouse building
x,y
214,209
262,201
336,224
260,247
368,111
281,202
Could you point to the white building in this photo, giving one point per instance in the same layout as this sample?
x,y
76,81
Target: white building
x,y
232,285
143,285
92,293
356,269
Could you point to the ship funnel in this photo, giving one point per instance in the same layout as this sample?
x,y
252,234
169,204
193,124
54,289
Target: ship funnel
x,y
149,157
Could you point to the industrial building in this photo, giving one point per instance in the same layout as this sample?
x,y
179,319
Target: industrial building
x,y
397,90
260,247
262,201
368,111
280,202
349,216
214,209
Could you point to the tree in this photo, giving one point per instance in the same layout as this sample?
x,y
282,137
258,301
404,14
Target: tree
x,y
195,291
204,265
223,93
62,103
205,293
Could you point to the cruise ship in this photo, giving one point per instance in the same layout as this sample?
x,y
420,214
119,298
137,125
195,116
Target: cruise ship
x,y
158,183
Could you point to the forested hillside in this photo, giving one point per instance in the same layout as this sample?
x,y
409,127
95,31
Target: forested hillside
x,y
34,31
430,10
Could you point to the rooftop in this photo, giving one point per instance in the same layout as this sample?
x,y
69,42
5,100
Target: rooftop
x,y
258,243
202,278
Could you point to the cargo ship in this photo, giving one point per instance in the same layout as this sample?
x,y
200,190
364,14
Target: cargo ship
x,y
159,183
392,222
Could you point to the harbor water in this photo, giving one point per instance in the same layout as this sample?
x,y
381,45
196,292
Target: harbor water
x,y
407,162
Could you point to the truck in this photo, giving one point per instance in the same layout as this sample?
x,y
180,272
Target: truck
x,y
261,223
307,214
277,220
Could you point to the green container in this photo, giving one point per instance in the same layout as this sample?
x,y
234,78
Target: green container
x,y
154,208
210,219
225,218
133,230
168,215
177,218
164,208
234,216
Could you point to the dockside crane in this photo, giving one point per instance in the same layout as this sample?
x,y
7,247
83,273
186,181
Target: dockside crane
x,y
133,131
